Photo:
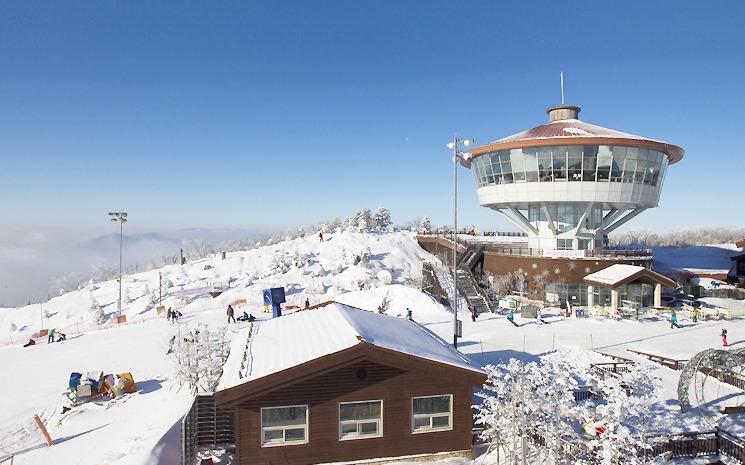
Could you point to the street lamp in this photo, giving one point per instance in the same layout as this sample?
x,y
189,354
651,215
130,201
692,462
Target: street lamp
x,y
121,217
456,156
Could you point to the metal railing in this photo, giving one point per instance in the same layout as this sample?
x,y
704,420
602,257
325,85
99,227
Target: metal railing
x,y
206,425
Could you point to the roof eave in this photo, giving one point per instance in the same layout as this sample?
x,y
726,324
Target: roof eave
x,y
674,153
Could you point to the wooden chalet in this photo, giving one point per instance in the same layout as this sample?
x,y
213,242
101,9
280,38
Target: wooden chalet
x,y
340,384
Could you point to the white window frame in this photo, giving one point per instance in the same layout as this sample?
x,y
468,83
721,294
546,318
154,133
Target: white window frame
x,y
431,416
284,428
359,422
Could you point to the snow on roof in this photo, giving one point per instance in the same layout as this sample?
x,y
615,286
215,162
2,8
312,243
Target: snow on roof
x,y
295,339
614,274
570,128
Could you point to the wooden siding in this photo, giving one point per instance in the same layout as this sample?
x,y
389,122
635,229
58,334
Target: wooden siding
x,y
394,386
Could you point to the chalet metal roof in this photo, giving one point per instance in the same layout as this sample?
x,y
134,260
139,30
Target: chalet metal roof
x,y
620,274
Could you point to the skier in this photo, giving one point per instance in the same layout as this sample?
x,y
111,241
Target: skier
x,y
674,320
50,337
307,303
243,317
409,314
724,337
320,236
231,314
474,315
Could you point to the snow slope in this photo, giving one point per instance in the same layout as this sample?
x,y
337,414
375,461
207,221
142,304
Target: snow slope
x,y
304,266
715,257
144,430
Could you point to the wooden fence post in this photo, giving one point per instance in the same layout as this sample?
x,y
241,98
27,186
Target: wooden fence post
x,y
43,430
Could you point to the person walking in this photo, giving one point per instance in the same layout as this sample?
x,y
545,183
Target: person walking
x,y
231,314
674,320
307,303
724,337
474,315
320,236
694,314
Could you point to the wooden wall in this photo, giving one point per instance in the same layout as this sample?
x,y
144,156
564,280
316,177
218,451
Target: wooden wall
x,y
323,394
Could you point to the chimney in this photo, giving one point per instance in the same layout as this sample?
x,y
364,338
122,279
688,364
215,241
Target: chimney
x,y
560,112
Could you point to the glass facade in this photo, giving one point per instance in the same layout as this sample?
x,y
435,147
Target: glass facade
x,y
567,215
571,163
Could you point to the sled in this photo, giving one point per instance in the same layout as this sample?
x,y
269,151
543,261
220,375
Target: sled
x,y
513,322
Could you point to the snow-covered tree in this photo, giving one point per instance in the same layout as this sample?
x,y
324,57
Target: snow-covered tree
x,y
625,415
97,314
425,226
529,409
199,356
363,220
382,219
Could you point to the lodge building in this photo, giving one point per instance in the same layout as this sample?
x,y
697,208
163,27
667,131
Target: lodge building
x,y
339,384
565,185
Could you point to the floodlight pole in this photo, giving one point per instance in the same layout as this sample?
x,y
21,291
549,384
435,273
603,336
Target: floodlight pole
x,y
121,217
455,242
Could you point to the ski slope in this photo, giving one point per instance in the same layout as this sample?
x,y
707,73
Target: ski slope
x,y
144,429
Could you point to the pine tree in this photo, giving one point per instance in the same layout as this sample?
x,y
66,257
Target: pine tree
x,y
382,219
425,226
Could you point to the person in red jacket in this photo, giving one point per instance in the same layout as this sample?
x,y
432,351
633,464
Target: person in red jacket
x,y
724,337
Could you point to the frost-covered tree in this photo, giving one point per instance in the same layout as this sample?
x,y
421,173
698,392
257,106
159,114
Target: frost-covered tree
x,y
529,409
425,226
363,220
625,415
382,219
199,356
97,314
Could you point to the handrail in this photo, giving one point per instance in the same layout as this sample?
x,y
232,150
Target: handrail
x,y
659,359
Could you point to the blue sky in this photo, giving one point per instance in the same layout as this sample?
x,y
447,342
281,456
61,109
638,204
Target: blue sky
x,y
278,114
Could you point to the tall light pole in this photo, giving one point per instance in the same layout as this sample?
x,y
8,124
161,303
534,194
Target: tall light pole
x,y
121,217
456,156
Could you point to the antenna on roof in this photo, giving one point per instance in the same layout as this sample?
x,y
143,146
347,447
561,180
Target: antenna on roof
x,y
561,76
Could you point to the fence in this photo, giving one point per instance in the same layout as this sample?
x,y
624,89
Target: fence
x,y
664,361
205,425
679,445
725,377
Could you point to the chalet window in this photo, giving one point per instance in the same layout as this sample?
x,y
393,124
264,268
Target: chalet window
x,y
432,413
359,420
284,425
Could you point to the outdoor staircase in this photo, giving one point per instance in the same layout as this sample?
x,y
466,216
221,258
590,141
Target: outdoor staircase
x,y
475,297
439,284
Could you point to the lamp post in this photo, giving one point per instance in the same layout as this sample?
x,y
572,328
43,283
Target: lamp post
x,y
120,217
456,156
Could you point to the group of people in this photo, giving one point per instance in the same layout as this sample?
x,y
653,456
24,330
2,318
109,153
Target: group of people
x,y
52,336
245,317
173,315
694,318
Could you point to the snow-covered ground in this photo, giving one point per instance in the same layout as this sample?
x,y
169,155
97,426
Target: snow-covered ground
x,y
700,258
144,428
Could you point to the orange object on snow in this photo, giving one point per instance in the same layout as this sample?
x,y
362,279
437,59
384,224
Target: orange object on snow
x,y
129,382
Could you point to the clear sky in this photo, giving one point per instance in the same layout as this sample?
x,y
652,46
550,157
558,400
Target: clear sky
x,y
251,114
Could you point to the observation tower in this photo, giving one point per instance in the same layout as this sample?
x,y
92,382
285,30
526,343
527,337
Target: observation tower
x,y
568,183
